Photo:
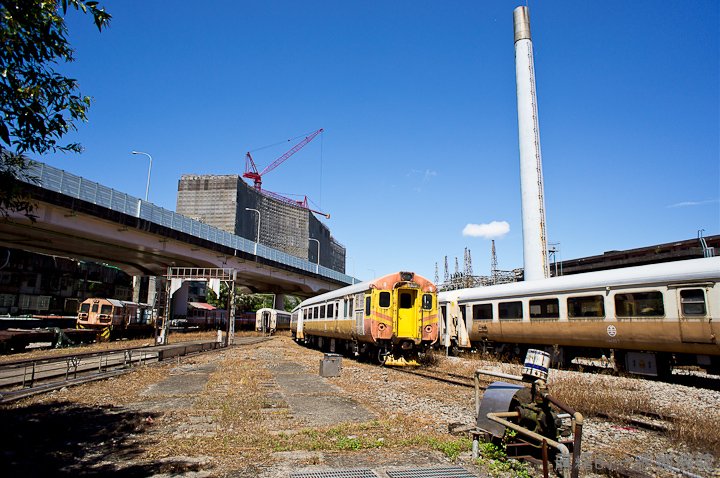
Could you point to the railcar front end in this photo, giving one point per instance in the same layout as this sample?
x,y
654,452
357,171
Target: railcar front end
x,y
389,319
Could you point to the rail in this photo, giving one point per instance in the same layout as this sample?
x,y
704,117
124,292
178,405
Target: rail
x,y
60,181
32,373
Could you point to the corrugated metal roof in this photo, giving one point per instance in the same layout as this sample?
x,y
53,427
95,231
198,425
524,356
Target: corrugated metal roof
x,y
201,305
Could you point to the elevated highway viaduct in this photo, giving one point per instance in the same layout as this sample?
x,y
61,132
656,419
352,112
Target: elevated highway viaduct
x,y
84,220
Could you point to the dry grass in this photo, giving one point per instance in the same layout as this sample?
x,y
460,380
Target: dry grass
x,y
592,395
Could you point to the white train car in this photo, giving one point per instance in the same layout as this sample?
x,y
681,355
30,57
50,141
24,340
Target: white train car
x,y
650,317
269,320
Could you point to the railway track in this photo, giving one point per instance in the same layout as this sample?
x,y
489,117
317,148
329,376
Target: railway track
x,y
644,419
24,378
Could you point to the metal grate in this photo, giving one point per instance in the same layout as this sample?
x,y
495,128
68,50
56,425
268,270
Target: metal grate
x,y
355,473
439,472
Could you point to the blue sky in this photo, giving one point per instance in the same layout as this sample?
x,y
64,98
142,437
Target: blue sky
x,y
418,103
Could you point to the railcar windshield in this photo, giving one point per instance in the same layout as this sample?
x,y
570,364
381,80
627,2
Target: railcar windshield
x,y
405,300
106,309
384,299
427,301
85,308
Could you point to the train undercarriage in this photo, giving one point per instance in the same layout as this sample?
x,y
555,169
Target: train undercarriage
x,y
634,362
382,352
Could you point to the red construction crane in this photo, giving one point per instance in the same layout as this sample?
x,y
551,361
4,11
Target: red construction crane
x,y
251,172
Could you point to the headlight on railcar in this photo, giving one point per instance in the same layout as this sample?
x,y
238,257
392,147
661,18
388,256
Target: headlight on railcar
x,y
406,276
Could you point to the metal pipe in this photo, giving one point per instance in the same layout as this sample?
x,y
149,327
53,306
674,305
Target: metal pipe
x,y
507,376
500,418
577,432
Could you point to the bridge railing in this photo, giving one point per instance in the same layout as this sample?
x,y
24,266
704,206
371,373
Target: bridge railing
x,y
60,181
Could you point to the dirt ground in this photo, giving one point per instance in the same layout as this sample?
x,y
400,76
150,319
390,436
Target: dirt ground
x,y
219,414
247,411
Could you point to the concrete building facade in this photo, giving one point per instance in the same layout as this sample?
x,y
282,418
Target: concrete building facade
x,y
221,201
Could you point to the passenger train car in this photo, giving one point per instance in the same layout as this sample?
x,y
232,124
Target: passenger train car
x,y
271,320
651,317
389,319
115,318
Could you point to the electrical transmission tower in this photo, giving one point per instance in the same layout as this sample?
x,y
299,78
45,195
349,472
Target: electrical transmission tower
x,y
493,263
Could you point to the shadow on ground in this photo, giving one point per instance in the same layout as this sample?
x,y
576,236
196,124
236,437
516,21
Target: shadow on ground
x,y
63,440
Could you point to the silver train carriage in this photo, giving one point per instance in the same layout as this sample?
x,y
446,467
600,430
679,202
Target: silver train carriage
x,y
649,317
388,319
269,320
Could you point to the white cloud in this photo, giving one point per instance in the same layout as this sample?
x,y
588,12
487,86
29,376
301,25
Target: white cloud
x,y
492,230
694,203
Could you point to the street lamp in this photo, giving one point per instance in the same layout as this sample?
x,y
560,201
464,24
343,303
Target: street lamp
x,y
258,228
147,188
317,266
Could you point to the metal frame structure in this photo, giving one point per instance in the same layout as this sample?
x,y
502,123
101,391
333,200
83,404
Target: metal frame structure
x,y
199,273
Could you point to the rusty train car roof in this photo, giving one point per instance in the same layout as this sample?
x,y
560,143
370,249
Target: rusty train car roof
x,y
382,282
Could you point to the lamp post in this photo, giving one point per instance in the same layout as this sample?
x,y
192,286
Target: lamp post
x,y
317,266
147,188
257,239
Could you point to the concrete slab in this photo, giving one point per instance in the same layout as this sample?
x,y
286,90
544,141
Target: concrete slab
x,y
314,400
176,391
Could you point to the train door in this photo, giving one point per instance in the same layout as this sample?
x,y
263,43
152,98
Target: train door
x,y
442,325
268,322
695,326
407,316
299,333
356,308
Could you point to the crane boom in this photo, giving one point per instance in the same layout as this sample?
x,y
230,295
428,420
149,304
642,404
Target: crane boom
x,y
251,171
292,151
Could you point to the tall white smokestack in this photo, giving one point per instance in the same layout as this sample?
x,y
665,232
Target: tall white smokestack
x,y
531,178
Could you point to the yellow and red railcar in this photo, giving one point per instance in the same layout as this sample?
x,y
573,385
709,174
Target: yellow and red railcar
x,y
115,318
390,319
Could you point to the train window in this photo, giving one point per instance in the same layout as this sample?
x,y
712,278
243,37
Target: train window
x,y
322,311
367,305
345,308
384,299
510,310
639,304
331,311
316,312
95,308
427,301
482,312
350,308
586,306
692,302
106,309
405,300
463,312
544,309
85,308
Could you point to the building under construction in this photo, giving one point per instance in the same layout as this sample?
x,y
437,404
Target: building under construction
x,y
221,201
